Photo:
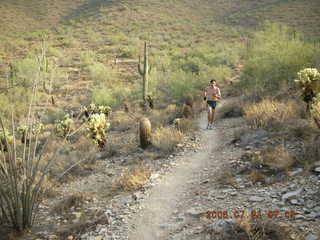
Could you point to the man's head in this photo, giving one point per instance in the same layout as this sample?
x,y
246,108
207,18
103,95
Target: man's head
x,y
213,82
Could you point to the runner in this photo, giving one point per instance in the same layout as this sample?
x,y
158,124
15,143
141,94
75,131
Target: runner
x,y
211,95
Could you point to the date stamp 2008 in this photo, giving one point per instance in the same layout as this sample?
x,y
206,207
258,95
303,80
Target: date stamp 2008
x,y
251,214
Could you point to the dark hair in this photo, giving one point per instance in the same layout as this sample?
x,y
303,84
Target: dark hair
x,y
212,80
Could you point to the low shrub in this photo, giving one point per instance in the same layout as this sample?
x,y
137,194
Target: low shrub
x,y
165,139
277,158
133,179
270,114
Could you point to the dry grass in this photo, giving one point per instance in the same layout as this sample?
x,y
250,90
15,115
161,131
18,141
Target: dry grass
x,y
81,155
161,118
187,125
122,121
165,139
310,152
271,114
278,158
226,176
303,129
264,230
133,179
257,177
231,110
76,200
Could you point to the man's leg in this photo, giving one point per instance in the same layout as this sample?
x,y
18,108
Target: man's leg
x,y
209,115
213,115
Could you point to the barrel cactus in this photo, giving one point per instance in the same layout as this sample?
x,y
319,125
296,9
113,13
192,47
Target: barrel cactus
x,y
309,82
97,125
64,126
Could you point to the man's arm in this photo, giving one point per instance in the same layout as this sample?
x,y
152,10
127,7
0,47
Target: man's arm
x,y
205,94
218,94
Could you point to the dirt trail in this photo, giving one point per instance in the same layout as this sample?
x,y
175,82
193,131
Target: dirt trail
x,y
162,203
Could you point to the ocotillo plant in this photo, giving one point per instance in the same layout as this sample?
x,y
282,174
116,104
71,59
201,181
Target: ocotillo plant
x,y
144,70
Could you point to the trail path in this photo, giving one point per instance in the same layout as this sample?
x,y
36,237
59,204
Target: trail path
x,y
171,198
175,203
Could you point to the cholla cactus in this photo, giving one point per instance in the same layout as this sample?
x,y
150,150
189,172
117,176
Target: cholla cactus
x,y
94,109
64,126
307,77
38,128
106,110
5,139
309,82
97,126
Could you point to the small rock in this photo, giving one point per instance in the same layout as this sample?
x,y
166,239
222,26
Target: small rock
x,y
256,199
70,237
294,201
311,237
290,195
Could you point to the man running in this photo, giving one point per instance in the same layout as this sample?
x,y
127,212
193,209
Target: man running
x,y
211,95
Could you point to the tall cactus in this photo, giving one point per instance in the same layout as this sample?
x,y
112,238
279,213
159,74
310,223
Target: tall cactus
x,y
144,70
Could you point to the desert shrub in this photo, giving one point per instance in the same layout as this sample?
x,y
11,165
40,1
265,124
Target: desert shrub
x,y
221,73
277,158
275,57
54,52
69,42
112,97
76,200
64,126
310,151
231,109
24,72
52,115
165,139
187,125
128,52
87,58
302,129
270,114
182,83
133,179
257,177
120,120
226,176
101,74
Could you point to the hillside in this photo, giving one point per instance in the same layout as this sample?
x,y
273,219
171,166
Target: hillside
x,y
22,16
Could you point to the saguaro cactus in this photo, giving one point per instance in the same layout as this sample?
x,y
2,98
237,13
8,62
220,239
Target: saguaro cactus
x,y
144,70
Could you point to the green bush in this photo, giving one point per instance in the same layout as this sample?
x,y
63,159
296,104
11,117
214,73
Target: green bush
x,y
100,73
275,57
112,97
87,58
24,72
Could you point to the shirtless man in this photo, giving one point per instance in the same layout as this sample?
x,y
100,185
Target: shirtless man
x,y
211,95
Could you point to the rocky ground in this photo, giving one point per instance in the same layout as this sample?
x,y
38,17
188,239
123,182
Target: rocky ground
x,y
176,204
198,193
